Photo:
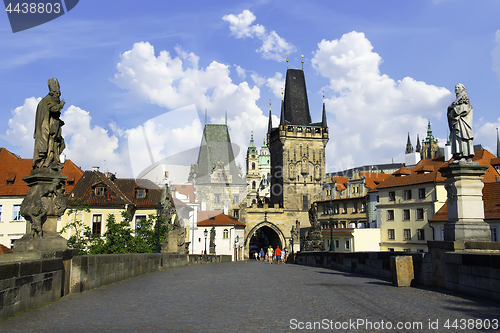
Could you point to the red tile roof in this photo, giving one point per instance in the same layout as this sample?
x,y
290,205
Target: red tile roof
x,y
491,201
373,179
13,169
4,249
117,192
427,171
214,218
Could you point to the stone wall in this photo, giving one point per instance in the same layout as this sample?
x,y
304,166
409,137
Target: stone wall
x,y
370,263
24,285
31,283
89,272
476,274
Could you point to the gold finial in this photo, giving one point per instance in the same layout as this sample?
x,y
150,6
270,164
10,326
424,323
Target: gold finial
x,y
323,97
302,62
287,61
282,94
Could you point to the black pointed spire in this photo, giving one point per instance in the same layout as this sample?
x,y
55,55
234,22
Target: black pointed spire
x,y
270,124
282,118
409,147
418,148
323,120
296,105
498,144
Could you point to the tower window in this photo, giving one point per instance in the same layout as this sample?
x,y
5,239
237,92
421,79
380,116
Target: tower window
x,y
253,166
253,185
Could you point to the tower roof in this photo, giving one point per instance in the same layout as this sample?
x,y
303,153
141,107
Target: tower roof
x,y
216,147
429,137
409,147
418,147
296,105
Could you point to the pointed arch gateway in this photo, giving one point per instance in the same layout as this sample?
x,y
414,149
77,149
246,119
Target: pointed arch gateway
x,y
264,234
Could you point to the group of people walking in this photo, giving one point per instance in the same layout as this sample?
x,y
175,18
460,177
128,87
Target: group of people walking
x,y
272,255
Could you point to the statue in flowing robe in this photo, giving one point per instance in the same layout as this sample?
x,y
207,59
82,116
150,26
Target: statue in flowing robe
x,y
49,142
460,124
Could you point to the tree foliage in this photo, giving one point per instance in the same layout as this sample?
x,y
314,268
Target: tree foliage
x,y
119,236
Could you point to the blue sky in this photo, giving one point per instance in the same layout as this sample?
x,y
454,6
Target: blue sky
x,y
127,67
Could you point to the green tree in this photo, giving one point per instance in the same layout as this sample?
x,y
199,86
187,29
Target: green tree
x,y
80,233
146,234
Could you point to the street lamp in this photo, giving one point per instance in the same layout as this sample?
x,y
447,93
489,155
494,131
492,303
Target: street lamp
x,y
330,211
206,234
159,212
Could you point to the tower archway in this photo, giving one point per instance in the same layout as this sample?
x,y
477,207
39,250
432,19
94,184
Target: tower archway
x,y
262,235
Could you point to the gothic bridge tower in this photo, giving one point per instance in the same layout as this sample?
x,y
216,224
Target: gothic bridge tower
x,y
297,149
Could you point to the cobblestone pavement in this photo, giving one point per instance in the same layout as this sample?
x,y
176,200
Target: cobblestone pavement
x,y
250,296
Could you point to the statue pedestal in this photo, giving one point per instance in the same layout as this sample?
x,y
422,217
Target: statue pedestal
x,y
169,245
465,229
465,203
43,205
212,249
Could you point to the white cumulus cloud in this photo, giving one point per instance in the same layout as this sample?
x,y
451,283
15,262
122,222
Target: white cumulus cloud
x,y
175,82
273,46
373,112
21,127
87,145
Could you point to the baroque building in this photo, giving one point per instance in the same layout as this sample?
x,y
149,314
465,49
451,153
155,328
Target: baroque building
x,y
258,166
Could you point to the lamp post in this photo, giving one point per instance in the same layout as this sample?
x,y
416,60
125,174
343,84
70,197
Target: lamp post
x,y
330,211
159,212
206,234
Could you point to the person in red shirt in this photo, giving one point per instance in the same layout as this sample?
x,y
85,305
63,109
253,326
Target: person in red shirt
x,y
277,254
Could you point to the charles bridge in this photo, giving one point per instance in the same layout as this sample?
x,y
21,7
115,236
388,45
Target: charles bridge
x,y
184,293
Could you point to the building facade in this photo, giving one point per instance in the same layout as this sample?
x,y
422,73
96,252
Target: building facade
x,y
13,189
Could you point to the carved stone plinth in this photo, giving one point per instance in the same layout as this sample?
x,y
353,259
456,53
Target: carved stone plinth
x,y
175,242
212,249
465,202
43,205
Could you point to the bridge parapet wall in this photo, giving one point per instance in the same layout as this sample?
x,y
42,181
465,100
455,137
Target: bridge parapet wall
x,y
369,263
25,284
471,273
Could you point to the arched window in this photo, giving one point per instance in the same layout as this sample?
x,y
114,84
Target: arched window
x,y
253,185
253,165
225,234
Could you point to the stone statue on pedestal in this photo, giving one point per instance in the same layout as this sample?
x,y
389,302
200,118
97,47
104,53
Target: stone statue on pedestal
x,y
460,124
46,199
313,240
463,177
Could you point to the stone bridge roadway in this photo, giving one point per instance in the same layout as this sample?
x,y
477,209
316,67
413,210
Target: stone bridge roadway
x,y
250,296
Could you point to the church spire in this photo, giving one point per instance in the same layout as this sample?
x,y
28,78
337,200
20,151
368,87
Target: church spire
x,y
409,147
418,148
323,121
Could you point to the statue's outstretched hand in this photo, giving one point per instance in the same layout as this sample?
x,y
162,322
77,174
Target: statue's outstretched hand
x,y
62,103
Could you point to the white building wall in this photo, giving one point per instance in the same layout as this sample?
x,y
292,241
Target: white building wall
x,y
10,229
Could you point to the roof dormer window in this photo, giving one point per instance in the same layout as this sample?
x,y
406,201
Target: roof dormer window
x,y
11,177
140,193
99,190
